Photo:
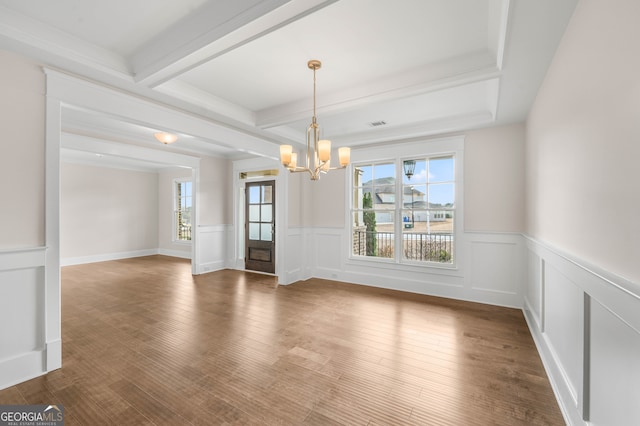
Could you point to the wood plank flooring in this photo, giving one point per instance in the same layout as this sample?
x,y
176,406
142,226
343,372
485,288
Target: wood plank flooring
x,y
146,343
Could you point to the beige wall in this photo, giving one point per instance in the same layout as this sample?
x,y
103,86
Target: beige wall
x,y
105,211
583,140
328,200
216,197
494,198
294,212
22,161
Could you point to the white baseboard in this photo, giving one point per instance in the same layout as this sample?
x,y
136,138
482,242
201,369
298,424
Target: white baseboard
x,y
53,355
175,253
69,261
21,368
211,267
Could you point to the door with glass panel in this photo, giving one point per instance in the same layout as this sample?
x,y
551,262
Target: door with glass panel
x,y
260,244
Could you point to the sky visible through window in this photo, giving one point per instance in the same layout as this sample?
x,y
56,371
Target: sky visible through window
x,y
440,170
185,201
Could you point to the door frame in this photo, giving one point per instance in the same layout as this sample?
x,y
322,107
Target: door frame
x,y
282,192
261,244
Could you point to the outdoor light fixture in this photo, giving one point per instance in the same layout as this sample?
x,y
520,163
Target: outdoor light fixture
x,y
165,138
409,167
318,150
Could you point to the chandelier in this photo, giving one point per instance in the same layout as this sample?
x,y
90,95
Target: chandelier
x,y
318,158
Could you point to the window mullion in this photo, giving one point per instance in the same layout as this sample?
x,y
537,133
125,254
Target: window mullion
x,y
397,249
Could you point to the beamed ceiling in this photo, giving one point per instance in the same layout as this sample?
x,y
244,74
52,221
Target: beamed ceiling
x,y
422,67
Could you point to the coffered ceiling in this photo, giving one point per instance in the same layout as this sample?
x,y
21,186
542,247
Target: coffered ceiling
x,y
391,70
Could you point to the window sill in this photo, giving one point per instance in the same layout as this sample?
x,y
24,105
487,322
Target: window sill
x,y
182,242
391,264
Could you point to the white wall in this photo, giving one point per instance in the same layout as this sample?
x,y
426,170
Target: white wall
x,y
107,213
24,315
583,197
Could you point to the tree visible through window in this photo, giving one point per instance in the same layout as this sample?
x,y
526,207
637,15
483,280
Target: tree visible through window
x,y
182,210
405,213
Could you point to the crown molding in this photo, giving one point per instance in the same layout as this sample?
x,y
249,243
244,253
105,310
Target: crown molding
x,y
479,66
20,33
416,130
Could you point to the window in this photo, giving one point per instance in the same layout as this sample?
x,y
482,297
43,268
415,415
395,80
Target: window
x,y
182,209
404,210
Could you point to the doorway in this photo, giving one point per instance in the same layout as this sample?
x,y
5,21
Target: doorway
x,y
260,225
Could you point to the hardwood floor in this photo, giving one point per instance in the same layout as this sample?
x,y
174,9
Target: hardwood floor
x,y
145,342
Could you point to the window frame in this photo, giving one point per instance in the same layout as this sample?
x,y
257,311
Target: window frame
x,y
174,220
397,154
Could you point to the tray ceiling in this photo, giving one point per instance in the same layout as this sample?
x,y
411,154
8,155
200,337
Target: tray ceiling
x,y
422,67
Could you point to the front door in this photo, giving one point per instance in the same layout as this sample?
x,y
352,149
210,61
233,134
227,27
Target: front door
x,y
260,225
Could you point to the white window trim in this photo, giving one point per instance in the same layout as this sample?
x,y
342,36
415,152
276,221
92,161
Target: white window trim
x,y
396,153
174,229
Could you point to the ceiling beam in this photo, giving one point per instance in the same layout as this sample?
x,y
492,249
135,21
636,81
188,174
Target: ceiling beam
x,y
212,31
132,109
24,34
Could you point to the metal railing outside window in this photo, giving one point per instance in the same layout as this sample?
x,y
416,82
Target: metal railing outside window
x,y
433,247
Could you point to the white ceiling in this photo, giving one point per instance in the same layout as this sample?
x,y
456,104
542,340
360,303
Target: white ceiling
x,y
423,67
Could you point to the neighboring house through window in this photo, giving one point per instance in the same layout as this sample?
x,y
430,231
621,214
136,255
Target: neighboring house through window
x,y
183,198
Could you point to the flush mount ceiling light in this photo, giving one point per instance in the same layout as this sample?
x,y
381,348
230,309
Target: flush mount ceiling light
x,y
318,151
165,138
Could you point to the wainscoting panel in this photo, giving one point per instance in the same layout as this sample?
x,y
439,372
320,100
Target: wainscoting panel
x,y
294,261
22,315
328,250
586,324
563,326
490,268
535,289
212,241
496,267
615,370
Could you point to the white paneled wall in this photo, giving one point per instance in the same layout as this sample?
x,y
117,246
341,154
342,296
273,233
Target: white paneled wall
x,y
296,264
614,369
490,267
586,324
213,245
495,268
22,299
